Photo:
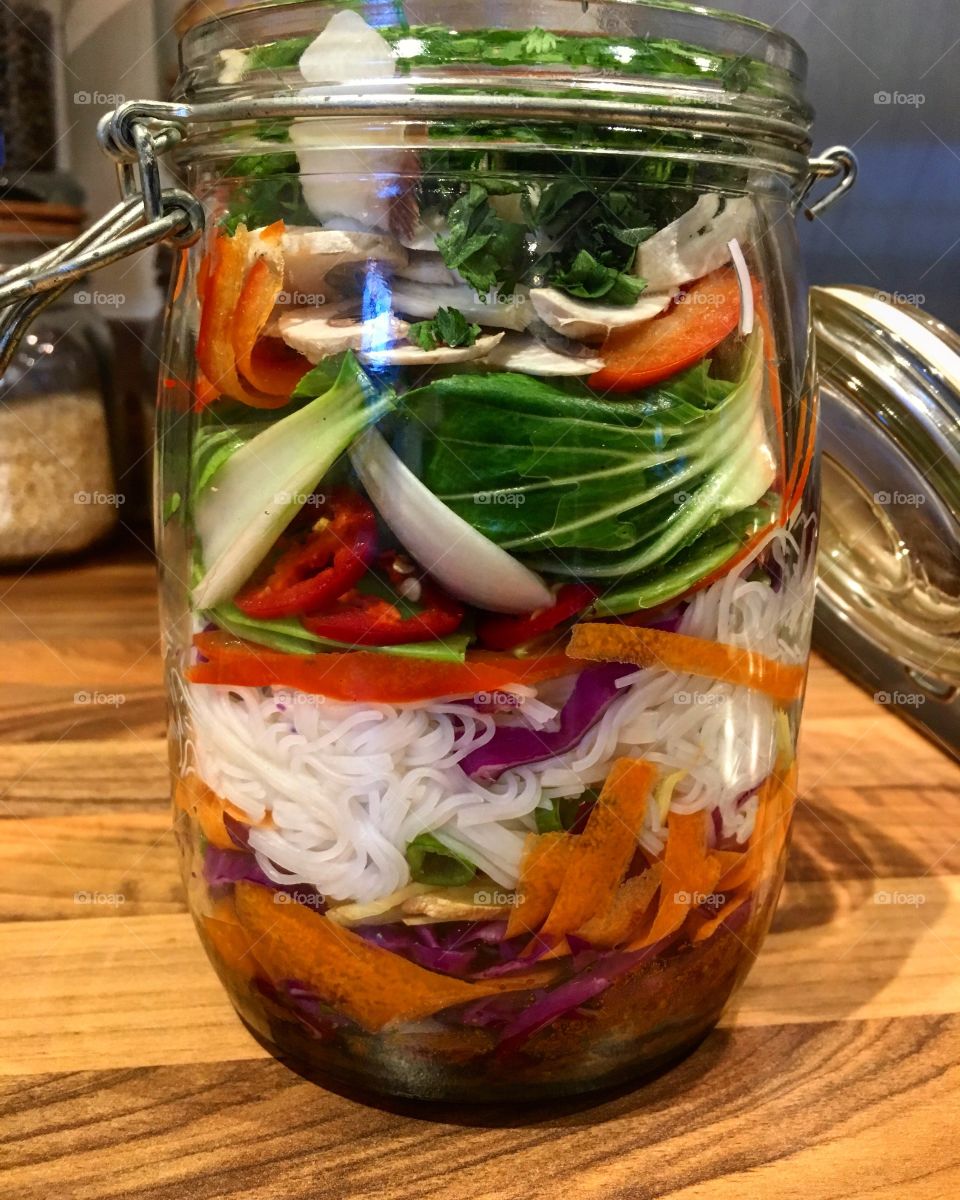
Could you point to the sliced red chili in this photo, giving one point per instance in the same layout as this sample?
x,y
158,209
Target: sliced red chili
x,y
361,619
319,563
498,632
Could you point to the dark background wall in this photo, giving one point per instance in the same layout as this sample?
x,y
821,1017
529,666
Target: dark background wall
x,y
885,80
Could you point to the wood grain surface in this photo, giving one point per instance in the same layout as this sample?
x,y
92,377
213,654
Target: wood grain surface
x,y
124,1073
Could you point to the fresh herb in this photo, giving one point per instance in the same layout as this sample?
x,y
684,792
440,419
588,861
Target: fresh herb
x,y
432,862
593,281
276,56
559,815
271,191
488,251
171,506
448,328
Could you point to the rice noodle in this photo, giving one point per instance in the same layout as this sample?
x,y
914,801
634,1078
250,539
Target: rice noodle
x,y
348,787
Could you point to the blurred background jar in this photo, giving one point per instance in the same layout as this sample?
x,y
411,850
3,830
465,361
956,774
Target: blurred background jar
x,y
58,427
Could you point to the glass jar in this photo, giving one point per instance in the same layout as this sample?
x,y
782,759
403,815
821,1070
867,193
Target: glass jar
x,y
487,496
58,493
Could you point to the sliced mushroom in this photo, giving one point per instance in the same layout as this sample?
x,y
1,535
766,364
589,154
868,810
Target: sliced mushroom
x,y
319,332
519,353
425,233
386,908
379,341
415,356
320,265
424,300
591,321
428,267
695,244
343,170
455,904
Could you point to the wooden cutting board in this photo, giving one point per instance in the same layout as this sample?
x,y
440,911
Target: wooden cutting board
x,y
126,1074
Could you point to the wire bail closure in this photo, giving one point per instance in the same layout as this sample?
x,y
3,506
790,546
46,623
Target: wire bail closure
x,y
838,163
147,215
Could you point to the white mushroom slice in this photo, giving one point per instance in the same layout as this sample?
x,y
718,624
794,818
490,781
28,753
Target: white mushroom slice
x,y
519,353
424,300
590,321
414,356
311,256
695,244
426,267
233,66
341,178
319,332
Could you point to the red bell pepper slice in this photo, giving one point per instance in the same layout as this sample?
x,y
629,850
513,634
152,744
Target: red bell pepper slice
x,y
362,676
266,363
319,564
498,632
361,619
642,355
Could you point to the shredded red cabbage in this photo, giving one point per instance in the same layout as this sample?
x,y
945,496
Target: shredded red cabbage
x,y
223,868
515,746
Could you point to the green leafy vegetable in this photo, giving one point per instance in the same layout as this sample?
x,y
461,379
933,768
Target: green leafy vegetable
x,y
592,280
488,251
559,815
289,636
599,490
257,491
432,862
448,328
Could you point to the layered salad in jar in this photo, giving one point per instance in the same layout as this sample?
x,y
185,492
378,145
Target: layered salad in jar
x,y
499,587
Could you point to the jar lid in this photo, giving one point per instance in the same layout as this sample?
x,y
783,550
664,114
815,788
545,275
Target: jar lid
x,y
888,607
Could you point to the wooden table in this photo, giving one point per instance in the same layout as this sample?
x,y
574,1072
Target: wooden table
x,y
125,1072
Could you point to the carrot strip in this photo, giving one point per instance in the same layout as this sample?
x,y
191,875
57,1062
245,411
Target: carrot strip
x,y
272,371
629,906
542,868
689,871
371,985
231,945
192,795
806,460
678,652
224,278
703,927
602,853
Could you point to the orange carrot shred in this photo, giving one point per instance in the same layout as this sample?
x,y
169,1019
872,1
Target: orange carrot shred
x,y
231,945
601,642
624,915
602,853
689,872
371,985
542,869
192,795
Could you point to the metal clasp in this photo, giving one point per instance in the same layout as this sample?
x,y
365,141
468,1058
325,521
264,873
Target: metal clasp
x,y
147,215
836,163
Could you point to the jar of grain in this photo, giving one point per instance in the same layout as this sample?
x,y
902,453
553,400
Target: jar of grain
x,y
58,492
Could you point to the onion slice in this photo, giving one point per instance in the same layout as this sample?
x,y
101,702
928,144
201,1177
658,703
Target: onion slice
x,y
459,557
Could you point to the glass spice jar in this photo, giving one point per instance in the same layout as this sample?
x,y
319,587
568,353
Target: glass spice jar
x,y
57,486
